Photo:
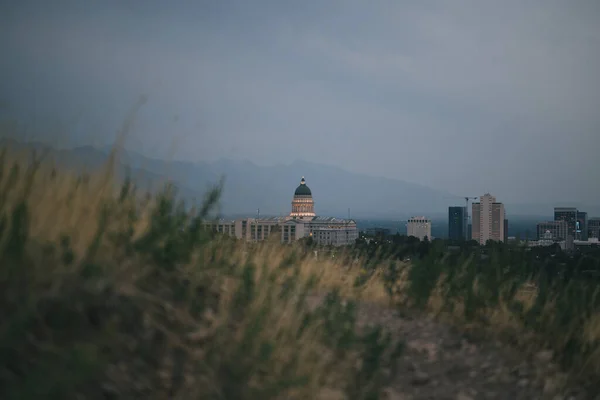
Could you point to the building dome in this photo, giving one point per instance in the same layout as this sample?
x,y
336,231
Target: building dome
x,y
302,190
303,205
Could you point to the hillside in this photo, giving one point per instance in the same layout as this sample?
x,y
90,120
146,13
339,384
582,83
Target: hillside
x,y
111,295
249,187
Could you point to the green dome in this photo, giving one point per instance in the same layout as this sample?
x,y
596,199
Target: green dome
x,y
302,190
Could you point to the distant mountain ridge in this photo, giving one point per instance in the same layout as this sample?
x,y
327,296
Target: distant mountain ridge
x,y
250,187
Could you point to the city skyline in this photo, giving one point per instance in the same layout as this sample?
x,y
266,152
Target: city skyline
x,y
489,222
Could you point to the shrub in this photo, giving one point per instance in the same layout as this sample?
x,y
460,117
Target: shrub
x,y
109,294
513,294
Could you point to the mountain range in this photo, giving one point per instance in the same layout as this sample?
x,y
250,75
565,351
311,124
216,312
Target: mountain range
x,y
249,187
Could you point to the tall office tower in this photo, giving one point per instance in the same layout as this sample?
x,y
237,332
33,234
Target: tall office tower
x,y
457,223
569,215
488,220
581,226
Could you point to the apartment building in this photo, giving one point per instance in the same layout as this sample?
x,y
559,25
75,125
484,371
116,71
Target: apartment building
x,y
488,217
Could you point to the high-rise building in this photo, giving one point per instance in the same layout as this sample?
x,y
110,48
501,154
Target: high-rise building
x,y
594,228
488,220
457,223
569,215
581,226
419,227
475,217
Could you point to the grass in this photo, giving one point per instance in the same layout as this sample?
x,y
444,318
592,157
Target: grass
x,y
507,296
107,293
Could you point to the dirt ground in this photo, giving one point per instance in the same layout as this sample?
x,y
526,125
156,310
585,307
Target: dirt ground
x,y
441,363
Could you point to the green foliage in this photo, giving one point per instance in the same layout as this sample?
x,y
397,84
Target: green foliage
x,y
390,278
423,279
168,311
374,348
482,279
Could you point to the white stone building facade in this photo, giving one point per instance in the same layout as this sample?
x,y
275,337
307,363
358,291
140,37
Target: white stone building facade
x,y
419,227
300,223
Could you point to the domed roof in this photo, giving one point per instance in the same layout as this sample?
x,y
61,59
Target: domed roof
x,y
302,190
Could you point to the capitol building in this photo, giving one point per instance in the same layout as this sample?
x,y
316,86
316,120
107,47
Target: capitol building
x,y
300,223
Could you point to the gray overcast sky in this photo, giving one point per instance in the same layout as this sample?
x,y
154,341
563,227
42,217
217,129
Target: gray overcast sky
x,y
467,96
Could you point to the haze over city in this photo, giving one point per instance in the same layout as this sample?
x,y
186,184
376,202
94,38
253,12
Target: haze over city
x,y
466,97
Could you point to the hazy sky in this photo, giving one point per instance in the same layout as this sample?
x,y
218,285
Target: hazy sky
x,y
469,96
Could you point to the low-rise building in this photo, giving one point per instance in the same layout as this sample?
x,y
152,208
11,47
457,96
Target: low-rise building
x,y
333,231
592,242
419,227
557,230
547,239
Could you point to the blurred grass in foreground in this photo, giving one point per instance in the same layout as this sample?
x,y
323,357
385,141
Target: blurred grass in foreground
x,y
497,292
107,293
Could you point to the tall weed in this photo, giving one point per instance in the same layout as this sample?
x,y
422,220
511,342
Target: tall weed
x,y
106,292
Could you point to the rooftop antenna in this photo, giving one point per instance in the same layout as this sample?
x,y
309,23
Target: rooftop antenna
x,y
258,213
